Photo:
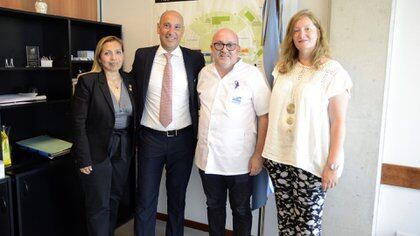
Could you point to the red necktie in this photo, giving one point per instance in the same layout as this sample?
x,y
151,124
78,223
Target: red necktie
x,y
165,113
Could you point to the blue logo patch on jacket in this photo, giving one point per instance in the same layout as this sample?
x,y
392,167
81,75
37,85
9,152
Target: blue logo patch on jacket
x,y
237,100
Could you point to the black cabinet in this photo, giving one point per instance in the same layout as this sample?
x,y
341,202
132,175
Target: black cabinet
x,y
46,194
6,210
48,199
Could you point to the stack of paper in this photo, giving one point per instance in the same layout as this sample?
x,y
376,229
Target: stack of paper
x,y
11,99
46,146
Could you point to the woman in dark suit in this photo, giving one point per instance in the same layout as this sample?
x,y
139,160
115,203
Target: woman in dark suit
x,y
103,111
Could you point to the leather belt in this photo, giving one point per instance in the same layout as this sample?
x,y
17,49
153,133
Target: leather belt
x,y
120,131
169,133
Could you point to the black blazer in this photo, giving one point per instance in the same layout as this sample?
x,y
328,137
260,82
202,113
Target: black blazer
x,y
142,67
94,117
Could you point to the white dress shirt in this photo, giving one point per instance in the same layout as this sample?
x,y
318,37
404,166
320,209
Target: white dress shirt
x,y
229,107
181,117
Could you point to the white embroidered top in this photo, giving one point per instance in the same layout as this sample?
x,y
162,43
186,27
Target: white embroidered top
x,y
301,136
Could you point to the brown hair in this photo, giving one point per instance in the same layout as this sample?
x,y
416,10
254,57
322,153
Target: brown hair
x,y
289,53
96,67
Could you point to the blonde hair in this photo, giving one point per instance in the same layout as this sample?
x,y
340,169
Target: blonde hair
x,y
97,67
289,53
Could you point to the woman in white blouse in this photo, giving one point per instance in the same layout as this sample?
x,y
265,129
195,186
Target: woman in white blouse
x,y
304,143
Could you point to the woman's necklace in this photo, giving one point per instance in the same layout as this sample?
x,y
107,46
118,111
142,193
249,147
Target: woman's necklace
x,y
291,107
115,84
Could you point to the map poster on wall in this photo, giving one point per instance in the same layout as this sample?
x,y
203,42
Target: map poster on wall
x,y
203,18
163,1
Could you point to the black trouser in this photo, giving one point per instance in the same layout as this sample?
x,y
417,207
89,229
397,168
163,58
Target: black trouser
x,y
240,189
104,186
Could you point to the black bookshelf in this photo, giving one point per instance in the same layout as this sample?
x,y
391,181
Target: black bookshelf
x,y
57,37
46,194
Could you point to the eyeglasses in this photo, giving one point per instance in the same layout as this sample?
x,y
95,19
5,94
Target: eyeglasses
x,y
229,46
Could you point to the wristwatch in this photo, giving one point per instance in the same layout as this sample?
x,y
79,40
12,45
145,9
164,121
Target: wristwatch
x,y
334,166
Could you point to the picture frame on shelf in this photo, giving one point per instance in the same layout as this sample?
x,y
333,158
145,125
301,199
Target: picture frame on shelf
x,y
32,56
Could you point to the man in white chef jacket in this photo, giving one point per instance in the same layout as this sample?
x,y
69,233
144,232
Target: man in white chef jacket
x,y
234,98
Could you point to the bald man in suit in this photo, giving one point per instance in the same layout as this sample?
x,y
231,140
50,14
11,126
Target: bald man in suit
x,y
165,141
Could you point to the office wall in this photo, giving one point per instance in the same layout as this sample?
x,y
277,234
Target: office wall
x,y
399,208
359,36
136,17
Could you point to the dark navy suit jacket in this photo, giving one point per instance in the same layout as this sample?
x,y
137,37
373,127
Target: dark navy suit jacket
x,y
142,67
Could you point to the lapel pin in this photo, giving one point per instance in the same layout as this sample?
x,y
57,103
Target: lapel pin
x,y
236,84
130,88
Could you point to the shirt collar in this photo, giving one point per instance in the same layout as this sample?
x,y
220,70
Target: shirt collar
x,y
177,52
238,64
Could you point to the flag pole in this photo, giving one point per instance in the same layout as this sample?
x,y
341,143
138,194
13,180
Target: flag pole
x,y
261,214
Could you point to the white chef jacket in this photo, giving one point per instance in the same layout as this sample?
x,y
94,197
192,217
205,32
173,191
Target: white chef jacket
x,y
229,107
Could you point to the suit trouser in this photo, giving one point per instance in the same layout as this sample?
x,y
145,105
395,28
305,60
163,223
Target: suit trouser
x,y
157,151
216,188
104,186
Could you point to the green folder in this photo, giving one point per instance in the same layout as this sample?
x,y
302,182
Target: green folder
x,y
46,146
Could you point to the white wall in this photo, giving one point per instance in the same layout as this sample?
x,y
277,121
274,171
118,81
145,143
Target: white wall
x,y
136,17
359,33
399,208
403,113
321,8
